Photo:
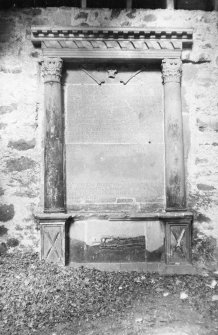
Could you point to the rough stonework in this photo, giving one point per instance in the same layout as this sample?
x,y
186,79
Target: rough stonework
x,y
22,116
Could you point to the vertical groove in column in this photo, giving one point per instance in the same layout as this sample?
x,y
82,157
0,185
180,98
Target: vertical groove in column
x,y
54,138
173,128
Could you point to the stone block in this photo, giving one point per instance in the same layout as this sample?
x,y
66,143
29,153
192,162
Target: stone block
x,y
20,164
3,125
3,230
6,212
53,239
204,187
178,241
8,109
22,145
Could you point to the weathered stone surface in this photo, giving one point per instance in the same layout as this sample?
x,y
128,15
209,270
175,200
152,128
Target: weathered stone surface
x,y
81,15
22,145
103,173
3,248
6,28
12,242
200,98
20,164
123,141
3,230
54,137
11,68
107,241
204,187
3,125
150,18
6,212
40,21
202,218
34,54
8,109
30,193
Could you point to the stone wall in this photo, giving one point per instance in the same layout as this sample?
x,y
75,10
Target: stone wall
x,y
21,110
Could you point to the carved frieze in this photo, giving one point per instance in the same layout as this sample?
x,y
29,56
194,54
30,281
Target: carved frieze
x,y
131,43
51,69
171,70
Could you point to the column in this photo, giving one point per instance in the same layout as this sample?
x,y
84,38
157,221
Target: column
x,y
170,4
54,136
174,152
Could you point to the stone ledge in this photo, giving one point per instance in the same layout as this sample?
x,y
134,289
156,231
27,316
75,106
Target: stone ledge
x,y
161,268
115,216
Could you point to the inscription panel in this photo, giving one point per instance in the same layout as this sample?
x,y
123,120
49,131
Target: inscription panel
x,y
114,139
115,113
105,173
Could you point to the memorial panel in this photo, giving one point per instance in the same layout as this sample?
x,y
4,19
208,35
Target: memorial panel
x,y
114,138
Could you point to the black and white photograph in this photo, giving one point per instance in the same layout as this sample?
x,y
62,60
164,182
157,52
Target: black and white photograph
x,y
109,167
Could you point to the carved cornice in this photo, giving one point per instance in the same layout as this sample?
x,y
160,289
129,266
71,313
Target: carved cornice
x,y
75,41
171,70
51,69
66,33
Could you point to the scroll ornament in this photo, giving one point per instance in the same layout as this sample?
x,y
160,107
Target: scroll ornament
x,y
171,70
51,69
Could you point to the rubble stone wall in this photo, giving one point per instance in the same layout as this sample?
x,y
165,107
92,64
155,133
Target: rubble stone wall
x,y
21,110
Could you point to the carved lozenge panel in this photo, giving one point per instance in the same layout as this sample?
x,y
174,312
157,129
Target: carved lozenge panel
x,y
53,243
178,242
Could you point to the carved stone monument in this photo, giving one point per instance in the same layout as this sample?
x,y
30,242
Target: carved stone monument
x,y
114,170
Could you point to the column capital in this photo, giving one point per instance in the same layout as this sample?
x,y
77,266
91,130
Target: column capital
x,y
51,69
171,70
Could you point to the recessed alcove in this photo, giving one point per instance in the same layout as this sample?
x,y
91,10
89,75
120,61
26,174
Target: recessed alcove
x,y
103,241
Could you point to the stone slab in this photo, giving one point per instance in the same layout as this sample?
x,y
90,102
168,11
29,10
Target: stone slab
x,y
101,173
114,137
140,267
115,113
